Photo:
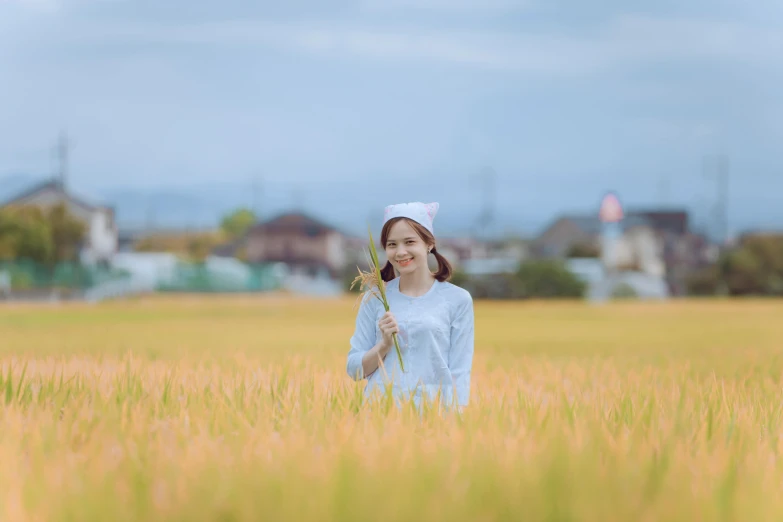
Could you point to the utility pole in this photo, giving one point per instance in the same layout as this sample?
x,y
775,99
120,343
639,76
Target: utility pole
x,y
663,190
723,195
720,175
62,156
256,188
487,214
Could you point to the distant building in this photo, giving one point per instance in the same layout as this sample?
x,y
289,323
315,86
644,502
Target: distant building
x,y
304,244
101,239
672,222
490,266
641,249
569,230
658,243
463,252
685,255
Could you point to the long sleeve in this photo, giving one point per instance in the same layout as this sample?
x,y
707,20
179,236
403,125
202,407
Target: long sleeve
x,y
363,338
461,350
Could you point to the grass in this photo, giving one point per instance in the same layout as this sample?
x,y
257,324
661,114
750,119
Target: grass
x,y
233,409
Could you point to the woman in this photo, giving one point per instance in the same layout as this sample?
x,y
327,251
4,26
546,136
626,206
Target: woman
x,y
432,317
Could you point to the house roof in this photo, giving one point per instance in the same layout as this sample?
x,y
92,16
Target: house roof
x,y
53,185
592,225
675,221
294,223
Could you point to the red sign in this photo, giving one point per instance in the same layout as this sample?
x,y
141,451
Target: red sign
x,y
611,210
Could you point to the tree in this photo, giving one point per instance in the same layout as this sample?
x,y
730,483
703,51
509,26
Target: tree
x,y
67,233
9,232
235,224
43,236
755,267
538,279
199,248
25,233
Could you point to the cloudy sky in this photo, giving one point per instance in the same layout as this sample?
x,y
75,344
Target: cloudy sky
x,y
379,100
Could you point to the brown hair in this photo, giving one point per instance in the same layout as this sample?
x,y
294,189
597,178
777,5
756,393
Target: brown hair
x,y
444,267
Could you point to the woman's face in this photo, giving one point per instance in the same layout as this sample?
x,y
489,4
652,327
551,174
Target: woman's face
x,y
406,251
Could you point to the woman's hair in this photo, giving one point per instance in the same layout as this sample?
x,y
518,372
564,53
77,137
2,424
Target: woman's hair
x,y
444,267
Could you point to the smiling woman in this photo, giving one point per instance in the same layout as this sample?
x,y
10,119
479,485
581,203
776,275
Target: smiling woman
x,y
432,317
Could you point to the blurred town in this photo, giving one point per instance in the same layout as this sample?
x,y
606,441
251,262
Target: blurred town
x,y
56,245
590,151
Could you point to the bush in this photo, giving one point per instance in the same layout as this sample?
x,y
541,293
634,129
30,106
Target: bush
x,y
753,268
533,280
583,250
498,286
706,282
624,291
548,279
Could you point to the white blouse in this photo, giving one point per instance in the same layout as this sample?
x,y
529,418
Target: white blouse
x,y
436,340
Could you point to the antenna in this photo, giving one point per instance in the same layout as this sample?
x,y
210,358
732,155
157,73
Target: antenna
x,y
487,214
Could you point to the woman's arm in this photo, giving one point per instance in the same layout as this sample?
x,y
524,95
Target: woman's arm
x,y
461,351
371,360
365,355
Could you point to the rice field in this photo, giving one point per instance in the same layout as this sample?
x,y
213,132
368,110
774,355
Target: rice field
x,y
239,409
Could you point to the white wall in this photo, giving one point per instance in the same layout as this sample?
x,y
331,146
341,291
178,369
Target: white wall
x,y
335,250
640,245
101,238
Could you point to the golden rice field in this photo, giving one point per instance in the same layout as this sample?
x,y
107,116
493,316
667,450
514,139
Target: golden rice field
x,y
239,409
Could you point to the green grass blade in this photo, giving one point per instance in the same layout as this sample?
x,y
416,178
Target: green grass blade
x,y
9,387
21,381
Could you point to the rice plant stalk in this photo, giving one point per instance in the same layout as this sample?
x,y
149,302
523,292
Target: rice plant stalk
x,y
372,280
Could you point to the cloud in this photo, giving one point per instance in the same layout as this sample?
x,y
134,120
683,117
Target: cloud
x,y
622,41
36,6
444,5
640,37
500,52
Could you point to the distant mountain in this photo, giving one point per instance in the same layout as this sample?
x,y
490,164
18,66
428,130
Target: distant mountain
x,y
13,184
348,207
139,209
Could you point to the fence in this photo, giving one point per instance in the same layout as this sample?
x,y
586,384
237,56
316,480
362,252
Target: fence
x,y
28,276
220,278
133,274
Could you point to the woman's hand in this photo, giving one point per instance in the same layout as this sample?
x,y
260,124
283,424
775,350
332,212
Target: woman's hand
x,y
388,326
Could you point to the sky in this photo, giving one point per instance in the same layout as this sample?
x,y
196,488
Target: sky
x,y
346,106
